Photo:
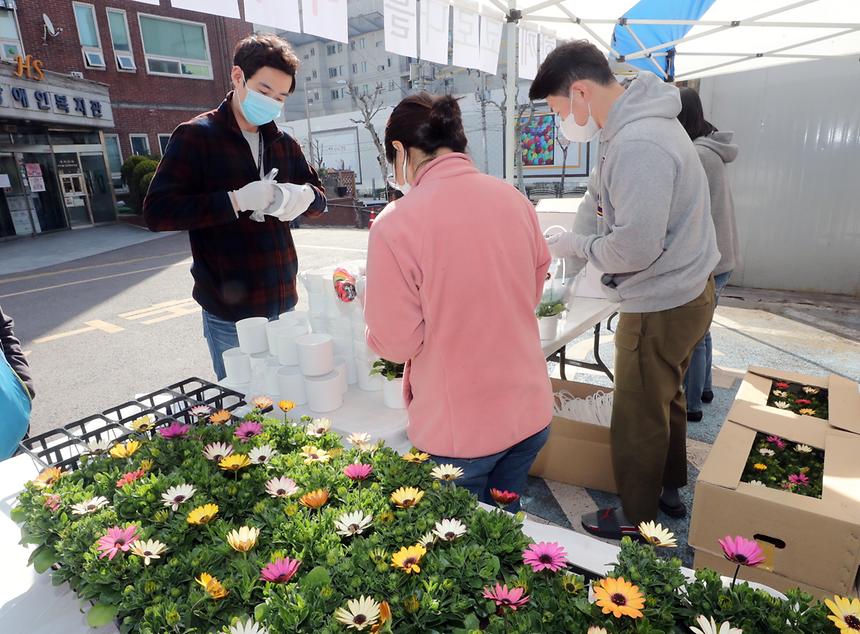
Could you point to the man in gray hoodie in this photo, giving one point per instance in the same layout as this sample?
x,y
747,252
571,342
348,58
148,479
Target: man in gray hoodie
x,y
656,246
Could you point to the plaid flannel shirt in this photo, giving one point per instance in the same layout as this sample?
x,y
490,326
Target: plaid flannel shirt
x,y
241,268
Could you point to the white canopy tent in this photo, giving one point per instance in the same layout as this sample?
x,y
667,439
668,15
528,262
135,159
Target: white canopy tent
x,y
729,36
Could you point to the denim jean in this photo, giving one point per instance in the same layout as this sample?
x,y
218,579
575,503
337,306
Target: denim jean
x,y
220,335
698,377
506,470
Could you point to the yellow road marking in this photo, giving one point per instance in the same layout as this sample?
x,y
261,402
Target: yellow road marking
x,y
104,326
176,311
155,308
95,324
88,267
97,279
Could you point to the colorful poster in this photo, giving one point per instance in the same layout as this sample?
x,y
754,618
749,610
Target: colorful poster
x,y
537,140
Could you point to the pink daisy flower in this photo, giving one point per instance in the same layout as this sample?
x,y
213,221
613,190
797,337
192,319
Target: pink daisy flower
x,y
545,556
52,502
200,411
512,598
799,478
358,471
117,539
776,440
742,551
248,430
280,570
128,478
174,430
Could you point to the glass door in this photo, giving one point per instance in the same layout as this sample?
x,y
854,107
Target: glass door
x,y
74,189
99,187
45,191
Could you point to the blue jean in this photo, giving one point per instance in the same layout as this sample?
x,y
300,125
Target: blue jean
x,y
220,335
698,378
506,470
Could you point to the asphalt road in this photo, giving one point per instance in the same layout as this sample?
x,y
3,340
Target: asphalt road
x,y
101,329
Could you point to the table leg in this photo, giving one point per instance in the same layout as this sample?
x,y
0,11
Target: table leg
x,y
562,362
597,360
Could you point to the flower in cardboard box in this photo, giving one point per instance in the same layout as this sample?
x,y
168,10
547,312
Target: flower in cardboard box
x,y
781,385
742,551
619,598
803,401
799,479
811,390
766,452
782,404
776,440
760,466
801,448
806,411
780,394
846,613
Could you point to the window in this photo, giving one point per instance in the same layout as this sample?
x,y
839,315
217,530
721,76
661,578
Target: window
x,y
88,34
162,142
306,57
391,85
362,43
332,72
10,41
317,95
352,45
314,74
379,44
354,68
120,40
331,49
313,52
389,62
364,89
364,67
114,155
175,47
341,71
339,48
335,94
139,143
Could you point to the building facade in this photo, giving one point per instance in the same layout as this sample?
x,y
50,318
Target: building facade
x,y
150,67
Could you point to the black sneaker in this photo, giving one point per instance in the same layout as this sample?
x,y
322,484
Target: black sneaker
x,y
694,417
707,396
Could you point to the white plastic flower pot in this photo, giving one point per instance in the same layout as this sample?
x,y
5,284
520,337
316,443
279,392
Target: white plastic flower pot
x,y
291,385
297,318
392,394
252,335
316,354
319,324
343,347
548,327
271,386
340,327
237,364
285,343
366,382
351,372
272,330
340,368
325,393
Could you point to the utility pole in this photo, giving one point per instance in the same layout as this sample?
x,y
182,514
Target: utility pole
x,y
308,119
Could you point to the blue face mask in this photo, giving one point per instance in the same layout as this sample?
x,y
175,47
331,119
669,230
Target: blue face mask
x,y
260,109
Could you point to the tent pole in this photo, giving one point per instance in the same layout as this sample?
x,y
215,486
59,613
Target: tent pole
x,y
511,92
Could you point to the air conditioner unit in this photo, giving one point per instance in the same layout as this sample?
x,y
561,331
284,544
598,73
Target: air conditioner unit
x,y
77,74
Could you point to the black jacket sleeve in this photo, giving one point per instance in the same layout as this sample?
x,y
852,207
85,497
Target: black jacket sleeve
x,y
12,350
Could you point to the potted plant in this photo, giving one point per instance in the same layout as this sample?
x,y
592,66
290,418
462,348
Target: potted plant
x,y
548,314
392,388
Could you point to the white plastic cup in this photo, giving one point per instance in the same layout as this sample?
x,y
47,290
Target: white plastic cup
x,y
340,327
341,369
351,372
296,318
392,394
291,385
325,393
285,343
252,335
237,365
316,354
259,361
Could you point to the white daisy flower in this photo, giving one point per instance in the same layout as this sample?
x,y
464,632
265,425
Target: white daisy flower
x,y
199,411
780,393
801,448
359,438
359,613
96,447
428,539
90,506
447,472
811,390
248,627
709,626
350,524
657,535
262,454
449,530
766,452
318,427
782,404
282,487
174,496
217,451
151,549
757,483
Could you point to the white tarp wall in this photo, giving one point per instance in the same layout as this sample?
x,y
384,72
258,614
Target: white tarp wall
x,y
796,181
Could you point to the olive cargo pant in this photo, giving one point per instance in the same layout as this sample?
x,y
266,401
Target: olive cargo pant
x,y
649,410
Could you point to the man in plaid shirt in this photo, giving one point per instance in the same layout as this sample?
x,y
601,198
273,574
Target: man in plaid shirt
x,y
215,181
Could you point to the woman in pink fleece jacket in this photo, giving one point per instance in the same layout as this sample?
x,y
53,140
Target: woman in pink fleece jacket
x,y
454,272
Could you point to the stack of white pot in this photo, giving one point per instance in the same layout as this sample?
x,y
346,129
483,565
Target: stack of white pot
x,y
309,358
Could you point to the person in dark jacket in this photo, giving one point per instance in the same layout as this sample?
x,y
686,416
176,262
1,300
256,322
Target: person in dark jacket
x,y
216,180
16,389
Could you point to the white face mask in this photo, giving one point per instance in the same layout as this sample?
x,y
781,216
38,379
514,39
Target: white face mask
x,y
579,133
392,182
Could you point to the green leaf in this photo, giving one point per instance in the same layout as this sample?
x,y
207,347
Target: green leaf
x,y
317,577
260,612
18,514
57,579
101,615
44,559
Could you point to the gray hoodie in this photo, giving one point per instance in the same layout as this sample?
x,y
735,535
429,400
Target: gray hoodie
x,y
715,151
656,240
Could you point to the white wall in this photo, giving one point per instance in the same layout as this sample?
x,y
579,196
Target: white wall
x,y
796,181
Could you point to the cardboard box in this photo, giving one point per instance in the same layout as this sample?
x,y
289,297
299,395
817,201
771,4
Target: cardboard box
x,y
809,542
577,452
751,401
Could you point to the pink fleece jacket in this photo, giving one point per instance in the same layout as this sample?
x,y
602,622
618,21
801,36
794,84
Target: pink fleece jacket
x,y
455,270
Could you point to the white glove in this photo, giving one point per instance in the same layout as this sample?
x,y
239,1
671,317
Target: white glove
x,y
255,196
300,198
560,244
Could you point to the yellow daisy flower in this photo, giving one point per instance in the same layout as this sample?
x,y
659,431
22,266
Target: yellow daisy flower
x,y
619,598
656,535
125,450
234,462
213,587
414,457
408,558
314,454
406,497
806,411
846,614
286,406
47,477
760,467
143,423
202,514
220,417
